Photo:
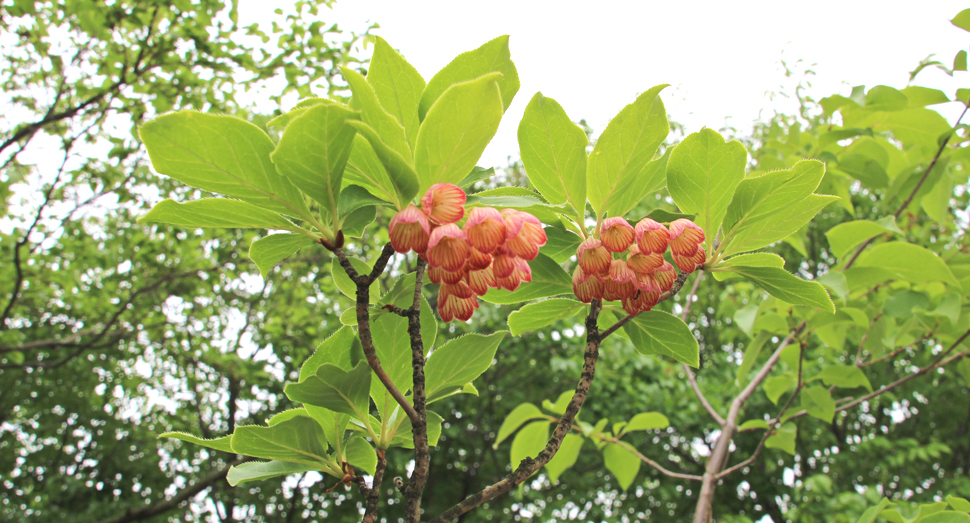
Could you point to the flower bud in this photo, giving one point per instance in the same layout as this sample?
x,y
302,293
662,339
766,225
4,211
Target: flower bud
x,y
478,260
503,264
409,230
665,276
617,234
444,203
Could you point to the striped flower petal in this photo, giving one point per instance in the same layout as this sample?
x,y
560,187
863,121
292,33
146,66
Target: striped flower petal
x,y
641,262
652,236
409,230
586,287
665,276
485,229
455,308
448,248
444,203
593,257
642,302
689,264
617,234
685,237
481,281
478,260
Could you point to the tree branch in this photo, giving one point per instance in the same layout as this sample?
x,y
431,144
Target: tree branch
x,y
373,493
419,429
687,370
678,284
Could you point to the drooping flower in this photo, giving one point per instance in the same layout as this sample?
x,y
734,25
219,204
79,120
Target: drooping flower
x,y
503,264
689,264
448,248
523,270
665,276
586,287
455,308
524,234
643,262
485,229
478,260
593,257
652,236
410,230
509,283
614,290
641,302
685,237
459,289
617,234
647,282
480,281
620,272
444,203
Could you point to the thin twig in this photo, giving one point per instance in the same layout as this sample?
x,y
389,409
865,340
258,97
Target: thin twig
x,y
687,370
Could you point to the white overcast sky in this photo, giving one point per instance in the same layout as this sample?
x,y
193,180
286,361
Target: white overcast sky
x,y
720,58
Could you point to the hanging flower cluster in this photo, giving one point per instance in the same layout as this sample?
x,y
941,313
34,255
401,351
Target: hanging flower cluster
x,y
491,251
638,280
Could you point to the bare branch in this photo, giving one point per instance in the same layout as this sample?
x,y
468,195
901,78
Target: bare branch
x,y
419,429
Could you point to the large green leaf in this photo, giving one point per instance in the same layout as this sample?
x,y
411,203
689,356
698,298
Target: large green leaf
x,y
335,389
220,154
872,513
258,470
217,212
313,152
529,442
456,130
386,175
561,244
537,315
393,347
335,350
818,402
553,150
459,362
492,57
299,440
782,225
656,332
702,175
646,421
361,454
624,150
565,457
786,287
222,443
908,262
843,376
347,286
783,438
761,197
398,86
548,279
623,464
632,190
519,415
267,251
373,114
844,237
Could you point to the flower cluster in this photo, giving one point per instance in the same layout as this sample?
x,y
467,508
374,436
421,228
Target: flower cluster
x,y
491,250
643,275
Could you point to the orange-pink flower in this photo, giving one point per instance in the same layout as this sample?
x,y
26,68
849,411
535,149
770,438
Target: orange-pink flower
x,y
448,248
503,263
410,230
440,275
652,236
614,290
509,283
617,234
665,276
444,203
643,262
481,281
586,287
593,257
641,302
685,237
485,229
689,264
478,260
455,308
459,289
523,270
524,234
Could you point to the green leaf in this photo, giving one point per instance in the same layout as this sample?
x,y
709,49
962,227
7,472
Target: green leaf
x,y
220,154
782,225
393,347
775,386
561,404
922,96
266,252
354,197
646,421
845,237
529,442
962,20
632,190
334,350
622,464
783,438
870,515
560,244
357,221
907,261
458,362
369,168
608,317
702,175
313,152
456,130
835,282
217,212
751,353
754,259
786,287
843,376
335,389
493,56
565,457
760,198
548,279
753,424
361,454
656,332
222,444
299,440
818,402
258,470
964,368
373,114
478,174
958,504
398,86
347,286
553,150
519,415
946,517
404,436
624,150
537,315
663,216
